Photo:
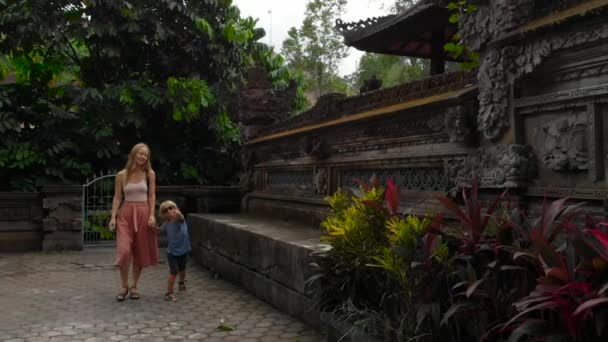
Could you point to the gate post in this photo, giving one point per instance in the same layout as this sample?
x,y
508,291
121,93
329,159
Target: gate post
x,y
62,225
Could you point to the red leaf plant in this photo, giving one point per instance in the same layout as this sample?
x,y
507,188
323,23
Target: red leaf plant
x,y
571,277
471,216
392,197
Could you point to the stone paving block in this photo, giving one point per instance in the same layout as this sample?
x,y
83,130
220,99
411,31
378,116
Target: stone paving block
x,y
69,296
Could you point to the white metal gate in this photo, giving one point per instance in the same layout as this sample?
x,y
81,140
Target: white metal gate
x,y
97,196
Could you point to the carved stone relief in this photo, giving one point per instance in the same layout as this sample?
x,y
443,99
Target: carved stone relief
x,y
582,73
318,147
490,22
579,193
441,125
320,181
498,17
501,66
301,181
459,122
499,166
406,178
563,143
494,87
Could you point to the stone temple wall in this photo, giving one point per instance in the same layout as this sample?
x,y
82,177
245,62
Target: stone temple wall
x,y
51,220
531,118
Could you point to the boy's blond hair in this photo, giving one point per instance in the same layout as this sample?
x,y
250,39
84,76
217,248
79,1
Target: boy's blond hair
x,y
166,204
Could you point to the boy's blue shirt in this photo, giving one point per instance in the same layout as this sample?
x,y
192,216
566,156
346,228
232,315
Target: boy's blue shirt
x,y
178,241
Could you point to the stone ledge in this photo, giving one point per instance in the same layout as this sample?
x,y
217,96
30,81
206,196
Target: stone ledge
x,y
268,257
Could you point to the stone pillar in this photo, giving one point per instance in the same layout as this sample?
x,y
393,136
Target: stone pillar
x,y
260,105
62,224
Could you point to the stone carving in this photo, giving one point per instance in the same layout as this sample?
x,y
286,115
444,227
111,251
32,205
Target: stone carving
x,y
499,166
532,54
492,21
498,17
318,147
493,93
594,194
413,128
406,178
459,122
502,66
429,122
294,180
320,181
563,143
562,100
581,73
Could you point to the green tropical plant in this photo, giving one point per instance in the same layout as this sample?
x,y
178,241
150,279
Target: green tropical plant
x,y
455,47
371,242
87,80
543,280
316,48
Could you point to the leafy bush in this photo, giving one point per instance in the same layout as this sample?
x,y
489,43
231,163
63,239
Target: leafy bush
x,y
413,278
90,79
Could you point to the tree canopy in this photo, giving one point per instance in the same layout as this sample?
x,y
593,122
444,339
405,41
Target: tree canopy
x,y
85,80
392,70
316,48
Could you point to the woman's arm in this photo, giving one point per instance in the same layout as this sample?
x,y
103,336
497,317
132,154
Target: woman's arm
x,y
117,196
152,197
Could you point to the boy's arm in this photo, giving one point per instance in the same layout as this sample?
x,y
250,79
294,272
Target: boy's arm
x,y
180,216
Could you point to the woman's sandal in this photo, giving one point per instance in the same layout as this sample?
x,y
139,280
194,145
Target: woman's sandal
x,y
134,294
181,286
122,295
170,297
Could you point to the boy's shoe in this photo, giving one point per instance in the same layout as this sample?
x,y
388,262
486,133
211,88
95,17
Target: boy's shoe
x,y
170,297
181,286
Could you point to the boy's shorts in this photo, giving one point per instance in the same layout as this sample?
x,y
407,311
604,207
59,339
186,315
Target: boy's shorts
x,y
177,263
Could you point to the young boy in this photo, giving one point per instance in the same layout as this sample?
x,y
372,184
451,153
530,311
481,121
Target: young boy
x,y
178,246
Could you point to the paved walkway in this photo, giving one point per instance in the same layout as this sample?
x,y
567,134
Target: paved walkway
x,y
70,297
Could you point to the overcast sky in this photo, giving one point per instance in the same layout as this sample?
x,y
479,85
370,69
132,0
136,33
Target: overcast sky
x,y
288,13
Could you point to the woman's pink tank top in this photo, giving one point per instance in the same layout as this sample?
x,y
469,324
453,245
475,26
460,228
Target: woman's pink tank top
x,y
136,192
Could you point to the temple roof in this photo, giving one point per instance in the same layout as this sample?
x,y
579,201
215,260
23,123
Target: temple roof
x,y
405,34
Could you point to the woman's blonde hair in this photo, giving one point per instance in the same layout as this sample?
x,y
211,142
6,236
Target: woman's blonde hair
x,y
131,160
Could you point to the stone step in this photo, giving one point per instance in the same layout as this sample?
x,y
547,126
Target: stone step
x,y
268,257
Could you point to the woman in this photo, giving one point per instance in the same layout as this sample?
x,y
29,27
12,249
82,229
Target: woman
x,y
136,226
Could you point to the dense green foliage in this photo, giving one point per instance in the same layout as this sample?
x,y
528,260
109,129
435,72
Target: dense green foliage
x,y
405,278
392,70
455,47
92,78
316,48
